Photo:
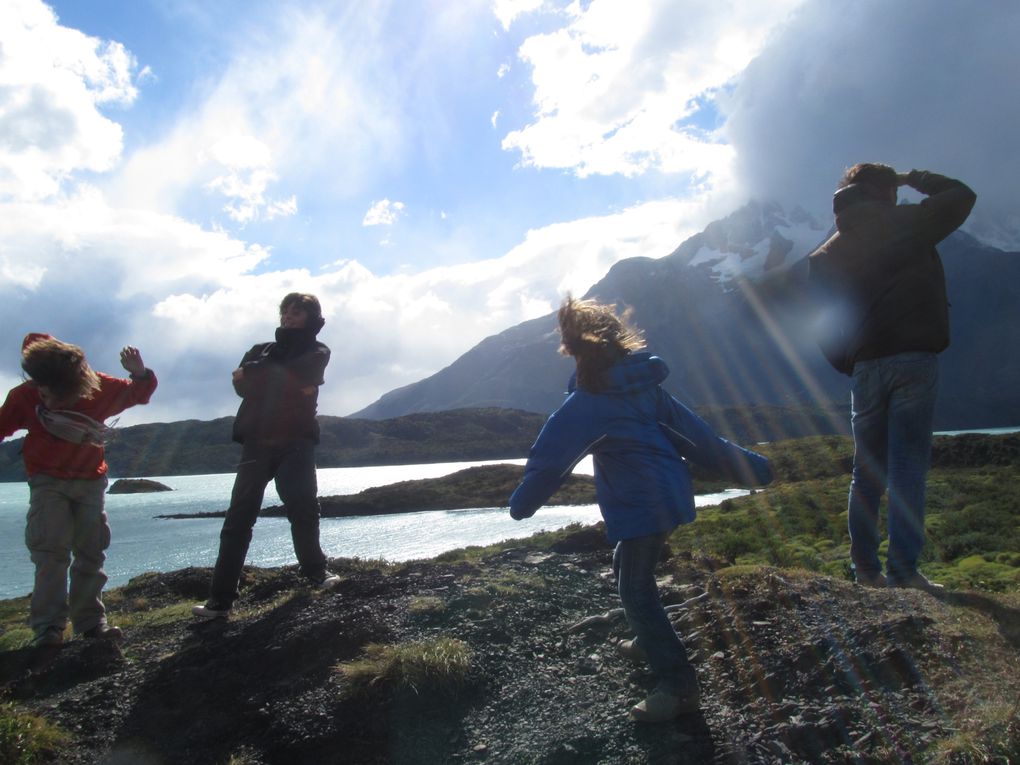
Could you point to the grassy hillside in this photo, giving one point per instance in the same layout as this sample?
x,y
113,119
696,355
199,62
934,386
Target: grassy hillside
x,y
972,513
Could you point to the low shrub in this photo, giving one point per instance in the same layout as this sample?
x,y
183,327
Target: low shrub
x,y
437,666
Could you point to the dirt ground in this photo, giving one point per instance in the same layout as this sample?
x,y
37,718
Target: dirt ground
x,y
794,667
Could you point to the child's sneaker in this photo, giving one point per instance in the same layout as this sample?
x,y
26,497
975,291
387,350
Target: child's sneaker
x,y
211,610
661,706
49,636
632,652
104,631
329,581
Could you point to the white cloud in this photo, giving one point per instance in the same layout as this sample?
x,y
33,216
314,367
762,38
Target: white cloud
x,y
620,89
314,102
53,81
509,10
616,85
916,83
383,213
248,165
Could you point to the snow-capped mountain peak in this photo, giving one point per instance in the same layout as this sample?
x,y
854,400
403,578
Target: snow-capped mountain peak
x,y
757,240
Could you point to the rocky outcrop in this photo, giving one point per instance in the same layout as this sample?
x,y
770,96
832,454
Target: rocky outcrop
x,y
481,486
136,486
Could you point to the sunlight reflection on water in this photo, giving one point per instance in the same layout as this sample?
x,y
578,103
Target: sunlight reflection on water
x,y
142,543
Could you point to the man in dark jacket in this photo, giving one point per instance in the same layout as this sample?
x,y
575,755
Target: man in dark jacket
x,y
279,386
883,316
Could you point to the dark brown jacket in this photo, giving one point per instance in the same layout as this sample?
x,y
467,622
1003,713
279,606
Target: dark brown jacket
x,y
877,283
280,389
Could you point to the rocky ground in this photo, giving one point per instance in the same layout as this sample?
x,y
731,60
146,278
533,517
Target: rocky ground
x,y
794,667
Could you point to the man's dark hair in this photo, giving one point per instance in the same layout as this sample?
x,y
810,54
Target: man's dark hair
x,y
309,303
872,173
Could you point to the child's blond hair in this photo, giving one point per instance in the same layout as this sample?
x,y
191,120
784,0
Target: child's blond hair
x,y
596,337
61,367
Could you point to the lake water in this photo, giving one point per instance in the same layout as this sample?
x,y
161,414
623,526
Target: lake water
x,y
143,543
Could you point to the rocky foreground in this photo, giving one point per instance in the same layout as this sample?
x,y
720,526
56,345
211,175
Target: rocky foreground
x,y
794,666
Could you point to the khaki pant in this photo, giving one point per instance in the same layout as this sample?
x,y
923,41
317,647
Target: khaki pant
x,y
65,519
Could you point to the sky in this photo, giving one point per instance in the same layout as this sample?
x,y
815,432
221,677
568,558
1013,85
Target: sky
x,y
437,172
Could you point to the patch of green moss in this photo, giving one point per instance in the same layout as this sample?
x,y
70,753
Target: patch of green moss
x,y
26,739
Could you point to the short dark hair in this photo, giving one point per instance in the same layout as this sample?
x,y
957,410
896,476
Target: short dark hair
x,y
872,173
309,303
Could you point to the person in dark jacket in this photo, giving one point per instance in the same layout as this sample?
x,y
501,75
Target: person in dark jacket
x,y
642,440
883,316
278,384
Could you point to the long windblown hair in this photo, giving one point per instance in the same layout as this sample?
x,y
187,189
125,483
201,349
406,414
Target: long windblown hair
x,y
597,338
61,367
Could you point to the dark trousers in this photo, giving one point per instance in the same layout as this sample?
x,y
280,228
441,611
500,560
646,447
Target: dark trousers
x,y
293,466
634,564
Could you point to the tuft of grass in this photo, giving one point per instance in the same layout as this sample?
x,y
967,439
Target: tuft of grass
x,y
156,617
426,605
14,638
26,739
991,736
436,666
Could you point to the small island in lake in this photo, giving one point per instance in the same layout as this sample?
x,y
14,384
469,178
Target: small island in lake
x,y
136,486
480,486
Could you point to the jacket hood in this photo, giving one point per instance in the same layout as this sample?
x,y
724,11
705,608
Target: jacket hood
x,y
31,337
634,372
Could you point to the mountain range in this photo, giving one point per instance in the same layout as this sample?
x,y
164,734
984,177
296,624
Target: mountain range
x,y
727,310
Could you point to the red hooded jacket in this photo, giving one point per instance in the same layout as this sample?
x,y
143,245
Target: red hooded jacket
x,y
44,452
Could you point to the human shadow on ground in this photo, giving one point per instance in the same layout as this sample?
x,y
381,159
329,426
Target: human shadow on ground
x,y
1007,619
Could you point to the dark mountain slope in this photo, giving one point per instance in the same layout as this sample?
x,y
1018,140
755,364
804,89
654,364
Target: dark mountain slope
x,y
727,310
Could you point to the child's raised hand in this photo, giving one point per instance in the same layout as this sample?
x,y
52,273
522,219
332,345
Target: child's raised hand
x,y
131,360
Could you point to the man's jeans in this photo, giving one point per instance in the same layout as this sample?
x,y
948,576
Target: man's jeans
x,y
65,517
892,403
293,467
634,564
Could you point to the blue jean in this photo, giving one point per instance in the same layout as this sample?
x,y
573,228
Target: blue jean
x,y
293,467
893,404
634,562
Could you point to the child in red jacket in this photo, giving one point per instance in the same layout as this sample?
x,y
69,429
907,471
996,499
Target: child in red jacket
x,y
62,406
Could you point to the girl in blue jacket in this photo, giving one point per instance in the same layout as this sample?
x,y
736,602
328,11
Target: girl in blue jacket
x,y
641,439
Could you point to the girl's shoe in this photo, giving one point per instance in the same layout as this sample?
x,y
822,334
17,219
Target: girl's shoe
x,y
661,706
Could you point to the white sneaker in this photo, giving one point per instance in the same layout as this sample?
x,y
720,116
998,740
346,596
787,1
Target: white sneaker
x,y
210,610
330,582
661,707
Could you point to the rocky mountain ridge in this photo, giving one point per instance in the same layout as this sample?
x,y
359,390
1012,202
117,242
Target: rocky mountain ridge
x,y
728,312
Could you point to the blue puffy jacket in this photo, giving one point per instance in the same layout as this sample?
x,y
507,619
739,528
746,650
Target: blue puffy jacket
x,y
641,439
